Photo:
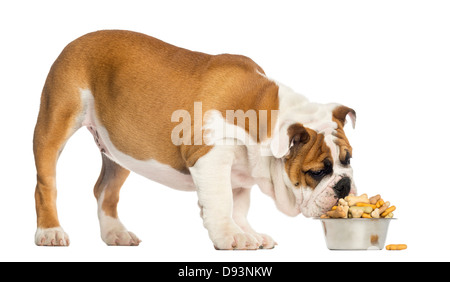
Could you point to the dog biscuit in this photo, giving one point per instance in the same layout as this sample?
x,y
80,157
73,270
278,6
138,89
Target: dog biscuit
x,y
396,247
361,207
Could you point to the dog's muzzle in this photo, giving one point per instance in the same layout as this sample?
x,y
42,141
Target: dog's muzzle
x,y
342,188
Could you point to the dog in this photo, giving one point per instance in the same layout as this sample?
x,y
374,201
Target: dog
x,y
214,124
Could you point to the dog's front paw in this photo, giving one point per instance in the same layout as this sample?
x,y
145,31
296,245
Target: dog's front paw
x,y
235,239
265,241
51,237
238,241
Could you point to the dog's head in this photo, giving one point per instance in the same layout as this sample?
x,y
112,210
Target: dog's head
x,y
316,158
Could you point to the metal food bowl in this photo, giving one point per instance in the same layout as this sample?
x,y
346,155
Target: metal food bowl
x,y
355,233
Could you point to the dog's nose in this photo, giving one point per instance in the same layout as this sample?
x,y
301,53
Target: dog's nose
x,y
342,188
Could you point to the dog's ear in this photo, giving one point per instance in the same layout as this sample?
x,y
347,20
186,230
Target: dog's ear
x,y
297,135
340,114
292,136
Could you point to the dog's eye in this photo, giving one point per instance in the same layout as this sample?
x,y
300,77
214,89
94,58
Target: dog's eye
x,y
346,161
318,174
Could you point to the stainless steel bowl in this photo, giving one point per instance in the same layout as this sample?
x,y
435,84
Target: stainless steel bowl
x,y
355,233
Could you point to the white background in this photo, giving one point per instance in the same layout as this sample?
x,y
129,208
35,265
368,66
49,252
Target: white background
x,y
389,60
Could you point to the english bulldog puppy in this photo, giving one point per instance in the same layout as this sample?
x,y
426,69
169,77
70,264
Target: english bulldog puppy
x,y
213,124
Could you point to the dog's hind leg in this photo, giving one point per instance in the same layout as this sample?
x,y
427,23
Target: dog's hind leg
x,y
59,117
106,191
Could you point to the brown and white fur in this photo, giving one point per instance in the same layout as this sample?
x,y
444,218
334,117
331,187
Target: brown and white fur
x,y
125,86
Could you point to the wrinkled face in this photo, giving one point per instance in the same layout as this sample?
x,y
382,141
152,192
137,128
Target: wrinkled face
x,y
318,165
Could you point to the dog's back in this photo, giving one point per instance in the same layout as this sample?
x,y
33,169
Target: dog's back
x,y
146,80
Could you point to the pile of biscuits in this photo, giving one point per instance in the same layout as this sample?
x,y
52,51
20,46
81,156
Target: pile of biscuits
x,y
361,207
